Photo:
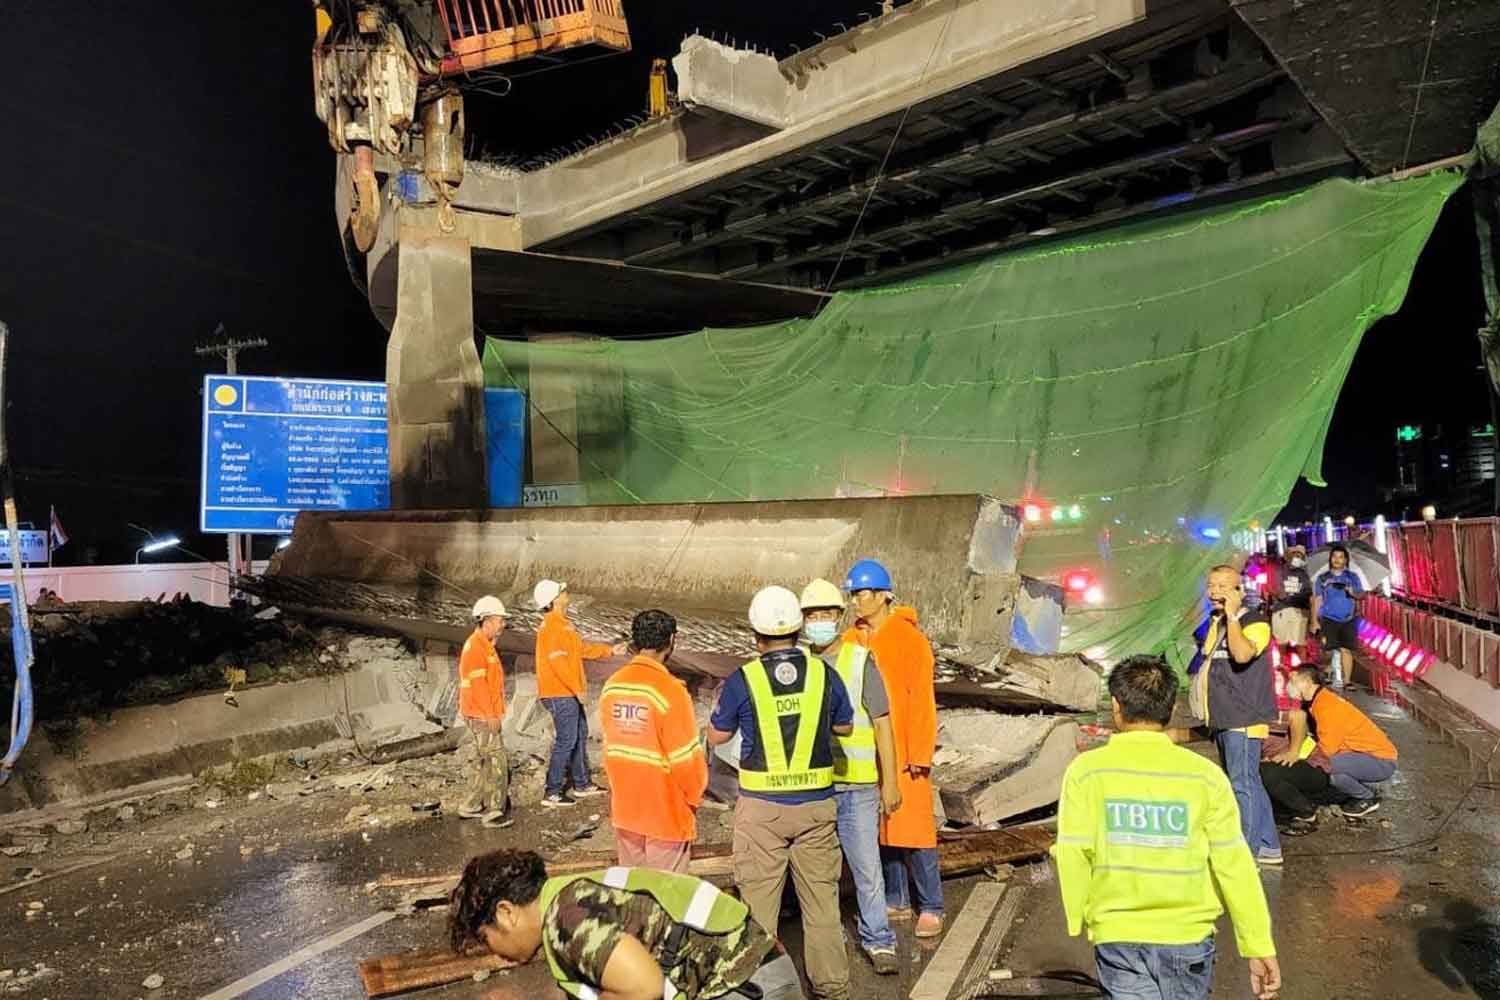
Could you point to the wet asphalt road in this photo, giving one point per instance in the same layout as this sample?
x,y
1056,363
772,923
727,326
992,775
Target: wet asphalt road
x,y
1354,918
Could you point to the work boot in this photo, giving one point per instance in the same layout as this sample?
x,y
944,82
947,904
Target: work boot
x,y
898,914
929,925
884,961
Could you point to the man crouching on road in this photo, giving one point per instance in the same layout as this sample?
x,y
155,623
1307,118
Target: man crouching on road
x,y
619,933
1144,828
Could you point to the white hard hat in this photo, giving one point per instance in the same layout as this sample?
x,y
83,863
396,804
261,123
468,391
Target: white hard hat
x,y
488,607
821,594
775,611
545,592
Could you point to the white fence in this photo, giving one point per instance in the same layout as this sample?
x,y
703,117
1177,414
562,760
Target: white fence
x,y
204,582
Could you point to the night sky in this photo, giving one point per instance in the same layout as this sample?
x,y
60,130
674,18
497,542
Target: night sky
x,y
164,173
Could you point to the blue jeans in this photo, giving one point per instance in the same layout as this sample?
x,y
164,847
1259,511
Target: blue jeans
x,y
1353,773
1240,755
922,863
570,728
1156,971
859,836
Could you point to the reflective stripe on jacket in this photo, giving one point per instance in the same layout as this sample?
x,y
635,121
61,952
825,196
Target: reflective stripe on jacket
x,y
560,652
854,755
481,679
653,753
809,765
1148,836
689,901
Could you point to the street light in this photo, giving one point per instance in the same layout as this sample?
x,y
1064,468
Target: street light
x,y
156,545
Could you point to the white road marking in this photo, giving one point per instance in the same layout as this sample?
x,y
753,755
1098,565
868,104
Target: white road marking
x,y
242,986
950,962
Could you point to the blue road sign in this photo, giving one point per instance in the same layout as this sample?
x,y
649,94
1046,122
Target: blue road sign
x,y
276,446
33,546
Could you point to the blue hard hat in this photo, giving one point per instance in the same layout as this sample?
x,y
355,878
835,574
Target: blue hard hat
x,y
867,574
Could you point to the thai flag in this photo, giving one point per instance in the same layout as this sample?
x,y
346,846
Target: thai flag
x,y
59,536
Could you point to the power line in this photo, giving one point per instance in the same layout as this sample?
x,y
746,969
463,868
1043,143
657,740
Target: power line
x,y
229,348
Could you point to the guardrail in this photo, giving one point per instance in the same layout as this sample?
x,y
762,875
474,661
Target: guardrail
x,y
483,33
1453,563
204,582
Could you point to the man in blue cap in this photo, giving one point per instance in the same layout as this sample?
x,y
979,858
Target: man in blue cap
x,y
908,834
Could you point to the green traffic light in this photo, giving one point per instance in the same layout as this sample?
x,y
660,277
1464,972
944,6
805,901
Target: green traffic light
x,y
1408,432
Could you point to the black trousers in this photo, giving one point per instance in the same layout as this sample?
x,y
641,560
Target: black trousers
x,y
1297,790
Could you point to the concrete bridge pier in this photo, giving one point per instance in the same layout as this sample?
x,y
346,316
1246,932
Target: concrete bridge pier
x,y
435,381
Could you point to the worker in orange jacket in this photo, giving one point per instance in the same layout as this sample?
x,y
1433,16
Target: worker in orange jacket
x,y
908,836
481,702
652,753
561,686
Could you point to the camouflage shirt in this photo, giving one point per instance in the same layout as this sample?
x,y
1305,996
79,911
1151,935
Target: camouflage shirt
x,y
586,920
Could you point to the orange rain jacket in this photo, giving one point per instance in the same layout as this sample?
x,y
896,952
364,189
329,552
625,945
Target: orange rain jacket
x,y
904,658
481,679
652,752
560,652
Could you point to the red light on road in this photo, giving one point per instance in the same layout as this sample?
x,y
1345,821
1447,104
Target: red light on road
x,y
1078,581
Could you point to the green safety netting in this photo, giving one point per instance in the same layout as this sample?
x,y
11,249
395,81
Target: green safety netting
x,y
1172,379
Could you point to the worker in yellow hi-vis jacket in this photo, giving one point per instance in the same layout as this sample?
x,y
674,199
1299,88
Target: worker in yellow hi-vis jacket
x,y
1144,828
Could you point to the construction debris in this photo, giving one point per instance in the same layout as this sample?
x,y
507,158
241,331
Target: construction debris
x,y
966,853
1026,681
961,853
100,655
991,766
400,570
388,975
426,745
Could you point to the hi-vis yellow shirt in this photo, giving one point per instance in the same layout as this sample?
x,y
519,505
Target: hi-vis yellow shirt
x,y
1144,828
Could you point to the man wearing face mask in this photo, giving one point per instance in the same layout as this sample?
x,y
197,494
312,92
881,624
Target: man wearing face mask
x,y
1291,611
652,754
864,767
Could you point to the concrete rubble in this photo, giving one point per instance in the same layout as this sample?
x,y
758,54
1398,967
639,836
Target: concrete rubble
x,y
990,766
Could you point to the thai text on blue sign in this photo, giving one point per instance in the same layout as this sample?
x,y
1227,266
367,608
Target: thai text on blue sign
x,y
276,446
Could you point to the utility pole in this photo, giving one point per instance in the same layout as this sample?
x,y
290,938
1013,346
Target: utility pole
x,y
229,348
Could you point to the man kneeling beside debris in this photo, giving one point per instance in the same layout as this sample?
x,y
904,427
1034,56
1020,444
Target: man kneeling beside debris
x,y
619,933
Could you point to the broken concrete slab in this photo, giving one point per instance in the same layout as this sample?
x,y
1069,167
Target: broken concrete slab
x,y
1025,681
991,766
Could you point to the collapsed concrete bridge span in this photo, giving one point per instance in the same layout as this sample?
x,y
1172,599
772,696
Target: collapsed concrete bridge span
x,y
954,558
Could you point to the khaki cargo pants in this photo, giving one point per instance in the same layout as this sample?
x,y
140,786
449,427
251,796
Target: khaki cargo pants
x,y
490,786
769,838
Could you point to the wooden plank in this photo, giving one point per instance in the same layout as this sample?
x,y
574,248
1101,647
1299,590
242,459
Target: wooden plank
x,y
938,980
388,975
961,853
